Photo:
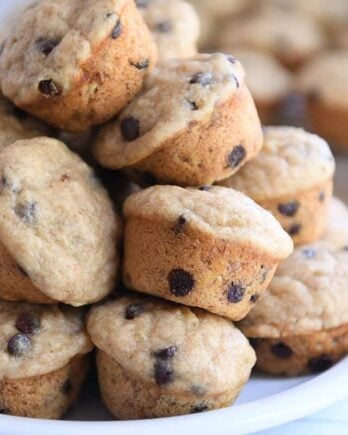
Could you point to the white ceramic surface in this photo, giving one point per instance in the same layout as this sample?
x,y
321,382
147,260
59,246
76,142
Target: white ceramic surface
x,y
264,403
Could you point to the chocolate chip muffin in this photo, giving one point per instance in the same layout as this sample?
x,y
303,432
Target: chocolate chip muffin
x,y
300,324
15,124
212,248
43,360
174,25
336,232
159,359
323,81
269,82
76,64
292,178
194,123
291,37
58,230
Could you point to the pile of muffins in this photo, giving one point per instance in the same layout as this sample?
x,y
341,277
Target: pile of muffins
x,y
165,239
295,55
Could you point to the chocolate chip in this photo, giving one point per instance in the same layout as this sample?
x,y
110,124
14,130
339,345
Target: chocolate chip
x,y
235,293
164,26
236,156
28,323
254,342
200,407
67,387
294,229
26,211
193,105
49,88
235,80
320,364
321,196
64,178
179,225
282,351
142,3
21,270
133,311
254,298
45,45
130,128
205,188
117,30
289,208
181,283
198,390
309,252
164,372
231,59
202,78
144,64
19,344
167,352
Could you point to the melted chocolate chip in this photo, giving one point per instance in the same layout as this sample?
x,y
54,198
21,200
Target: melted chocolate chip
x,y
282,351
193,105
254,342
321,196
28,323
133,311
289,208
254,298
49,88
181,283
179,225
200,407
167,352
117,30
45,45
294,229
309,252
320,364
164,372
143,64
235,293
19,344
205,188
202,78
236,156
26,212
164,26
130,128
67,387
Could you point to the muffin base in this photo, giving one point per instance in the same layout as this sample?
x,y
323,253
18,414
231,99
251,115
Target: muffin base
x,y
127,397
47,396
309,222
301,354
16,284
228,277
199,154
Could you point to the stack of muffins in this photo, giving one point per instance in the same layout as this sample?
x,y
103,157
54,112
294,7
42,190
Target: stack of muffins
x,y
183,260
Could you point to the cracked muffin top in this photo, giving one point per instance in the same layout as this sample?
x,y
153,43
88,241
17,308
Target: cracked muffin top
x,y
291,159
176,94
174,25
57,221
218,211
307,294
180,347
36,339
49,43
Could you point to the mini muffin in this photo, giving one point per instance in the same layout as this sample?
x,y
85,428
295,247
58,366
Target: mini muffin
x,y
16,124
58,229
269,82
174,25
324,83
194,123
160,359
43,360
336,232
212,248
291,37
292,177
76,63
300,324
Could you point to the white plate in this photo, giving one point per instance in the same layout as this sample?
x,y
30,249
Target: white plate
x,y
264,402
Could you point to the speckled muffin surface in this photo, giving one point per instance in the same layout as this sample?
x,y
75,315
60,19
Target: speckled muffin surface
x,y
16,124
174,25
291,177
194,123
194,357
42,350
213,248
58,61
58,230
